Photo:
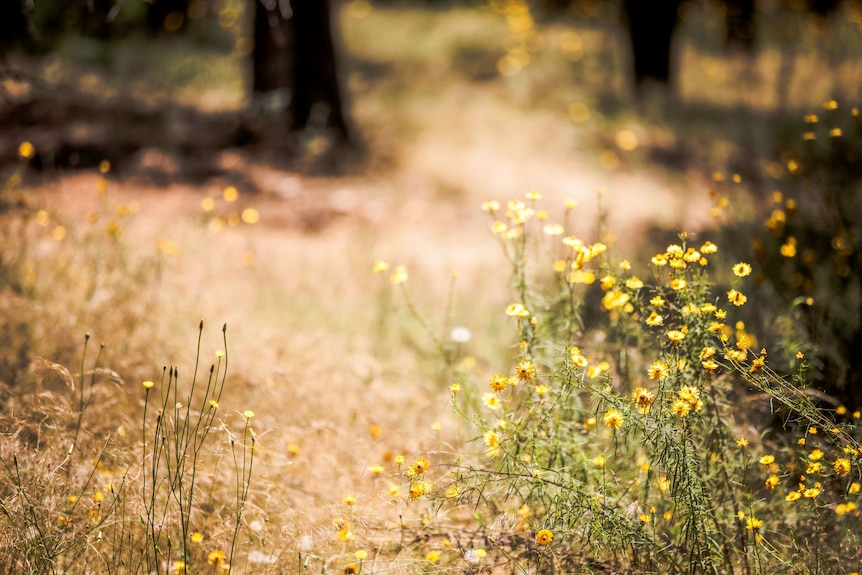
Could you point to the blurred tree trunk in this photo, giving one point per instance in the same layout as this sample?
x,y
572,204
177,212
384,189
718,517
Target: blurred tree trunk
x,y
315,78
13,26
273,43
170,15
741,29
651,25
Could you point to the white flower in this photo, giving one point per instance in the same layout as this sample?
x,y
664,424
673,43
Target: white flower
x,y
460,334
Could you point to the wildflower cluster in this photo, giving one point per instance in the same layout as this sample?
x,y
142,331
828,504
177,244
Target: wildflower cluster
x,y
631,444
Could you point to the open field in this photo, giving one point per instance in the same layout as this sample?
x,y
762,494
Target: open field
x,y
340,376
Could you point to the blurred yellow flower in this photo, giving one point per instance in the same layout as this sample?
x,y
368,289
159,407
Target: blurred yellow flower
x,y
553,230
418,489
517,310
399,276
708,248
420,466
344,535
380,266
753,524
26,150
250,216
634,283
491,401
230,194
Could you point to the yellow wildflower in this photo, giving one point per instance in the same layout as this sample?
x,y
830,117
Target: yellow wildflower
x,y
525,370
736,298
643,399
613,419
544,537
676,335
399,276
419,466
654,319
491,401
753,524
741,269
499,382
215,557
811,492
677,284
634,283
680,408
841,466
517,310
658,370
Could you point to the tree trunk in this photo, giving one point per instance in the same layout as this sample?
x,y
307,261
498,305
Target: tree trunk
x,y
741,30
651,24
13,26
315,80
273,43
